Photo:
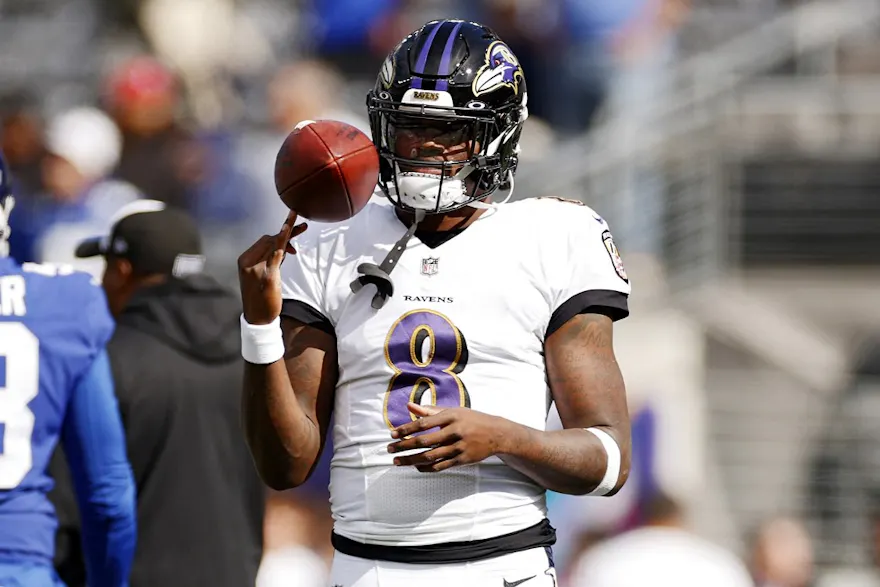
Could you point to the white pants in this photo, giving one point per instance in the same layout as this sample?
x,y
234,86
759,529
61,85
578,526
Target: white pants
x,y
530,568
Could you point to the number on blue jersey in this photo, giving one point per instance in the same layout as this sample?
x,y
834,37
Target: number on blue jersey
x,y
19,384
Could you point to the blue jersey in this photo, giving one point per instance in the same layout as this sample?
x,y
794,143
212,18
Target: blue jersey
x,y
55,385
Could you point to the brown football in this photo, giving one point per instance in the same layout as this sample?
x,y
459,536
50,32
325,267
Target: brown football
x,y
326,170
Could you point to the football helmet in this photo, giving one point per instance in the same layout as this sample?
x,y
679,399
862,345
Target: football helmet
x,y
458,80
7,202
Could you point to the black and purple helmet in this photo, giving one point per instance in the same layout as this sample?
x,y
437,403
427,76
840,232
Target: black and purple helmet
x,y
461,77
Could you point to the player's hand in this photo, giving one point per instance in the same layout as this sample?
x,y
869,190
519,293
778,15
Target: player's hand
x,y
259,272
464,437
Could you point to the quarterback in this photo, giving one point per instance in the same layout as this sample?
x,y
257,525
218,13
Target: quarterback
x,y
436,331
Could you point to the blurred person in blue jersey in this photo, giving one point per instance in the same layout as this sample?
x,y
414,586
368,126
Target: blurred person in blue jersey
x,y
56,384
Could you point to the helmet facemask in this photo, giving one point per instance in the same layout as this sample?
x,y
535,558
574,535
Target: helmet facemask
x,y
489,143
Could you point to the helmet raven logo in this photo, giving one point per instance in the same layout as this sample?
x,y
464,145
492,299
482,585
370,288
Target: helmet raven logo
x,y
501,69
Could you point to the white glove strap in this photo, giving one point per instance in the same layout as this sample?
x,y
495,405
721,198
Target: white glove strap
x,y
612,470
261,344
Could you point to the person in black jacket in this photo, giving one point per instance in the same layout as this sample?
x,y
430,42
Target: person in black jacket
x,y
177,364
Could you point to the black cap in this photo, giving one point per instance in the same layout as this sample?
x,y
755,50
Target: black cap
x,y
154,239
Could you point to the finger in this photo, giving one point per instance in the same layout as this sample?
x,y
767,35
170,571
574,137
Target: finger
x,y
256,253
286,232
428,457
298,230
442,465
279,249
440,419
273,265
282,242
434,439
422,411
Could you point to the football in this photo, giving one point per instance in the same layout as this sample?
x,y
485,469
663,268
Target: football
x,y
326,170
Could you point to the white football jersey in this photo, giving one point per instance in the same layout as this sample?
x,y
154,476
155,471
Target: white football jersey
x,y
466,323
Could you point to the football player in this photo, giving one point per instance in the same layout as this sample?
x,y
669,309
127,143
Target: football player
x,y
440,381
55,383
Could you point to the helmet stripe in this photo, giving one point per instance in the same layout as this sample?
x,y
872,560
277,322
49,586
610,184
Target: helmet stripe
x,y
423,55
444,69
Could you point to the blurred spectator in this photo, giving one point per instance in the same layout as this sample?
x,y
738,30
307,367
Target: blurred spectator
x,y
295,534
576,88
846,473
82,147
782,554
305,90
577,546
354,35
186,169
194,38
642,53
158,156
662,554
309,90
176,360
577,52
21,141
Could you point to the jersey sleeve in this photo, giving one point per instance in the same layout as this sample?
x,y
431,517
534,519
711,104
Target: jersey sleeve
x,y
302,288
587,274
89,325
94,443
100,324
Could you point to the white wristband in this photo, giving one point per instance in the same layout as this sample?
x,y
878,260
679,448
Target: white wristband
x,y
612,470
261,344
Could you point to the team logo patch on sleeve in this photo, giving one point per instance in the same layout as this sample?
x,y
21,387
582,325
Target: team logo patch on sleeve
x,y
608,241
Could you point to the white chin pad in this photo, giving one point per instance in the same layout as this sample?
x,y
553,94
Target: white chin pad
x,y
423,190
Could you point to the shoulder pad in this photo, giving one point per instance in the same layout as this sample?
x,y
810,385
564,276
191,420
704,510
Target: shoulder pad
x,y
559,199
58,270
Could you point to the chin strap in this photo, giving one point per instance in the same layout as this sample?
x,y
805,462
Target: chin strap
x,y
378,275
5,211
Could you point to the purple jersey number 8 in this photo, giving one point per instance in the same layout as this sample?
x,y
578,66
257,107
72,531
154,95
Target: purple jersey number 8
x,y
427,353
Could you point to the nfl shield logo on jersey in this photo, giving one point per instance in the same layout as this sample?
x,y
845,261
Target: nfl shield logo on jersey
x,y
429,266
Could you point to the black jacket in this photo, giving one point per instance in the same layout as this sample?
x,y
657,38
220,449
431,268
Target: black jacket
x,y
177,366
